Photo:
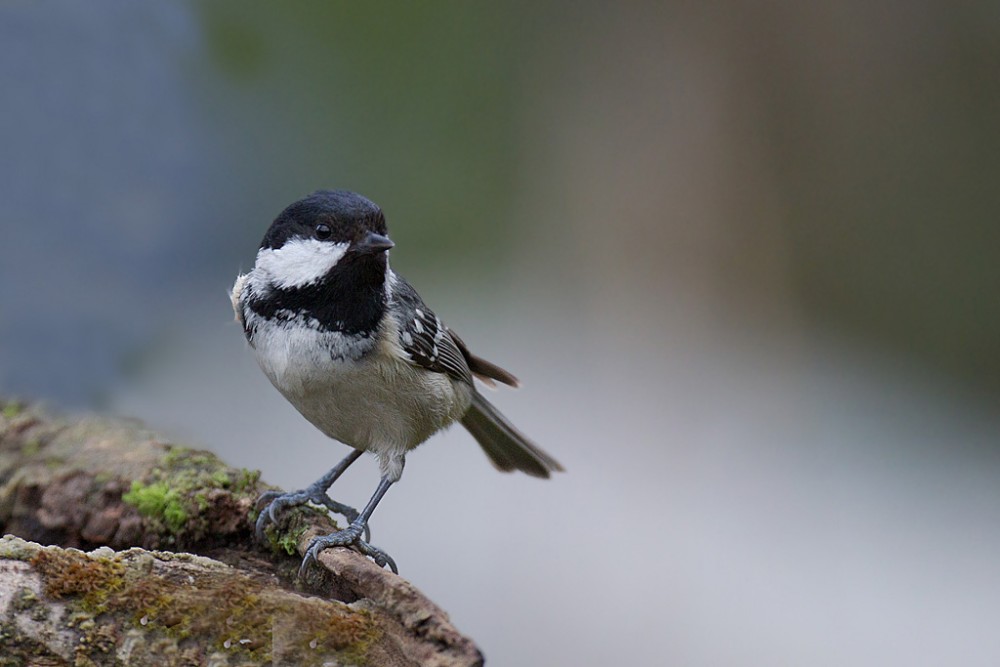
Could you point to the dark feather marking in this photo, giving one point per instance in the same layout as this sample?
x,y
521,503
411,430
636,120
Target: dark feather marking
x,y
349,299
425,338
435,347
507,447
486,371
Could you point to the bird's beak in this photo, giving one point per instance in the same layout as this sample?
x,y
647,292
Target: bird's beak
x,y
373,243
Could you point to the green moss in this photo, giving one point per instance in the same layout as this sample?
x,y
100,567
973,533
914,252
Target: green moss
x,y
31,447
55,462
201,500
190,492
95,640
67,573
159,501
24,602
11,410
211,605
221,478
287,541
246,480
293,525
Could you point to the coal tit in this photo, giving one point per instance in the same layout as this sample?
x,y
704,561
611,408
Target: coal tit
x,y
354,348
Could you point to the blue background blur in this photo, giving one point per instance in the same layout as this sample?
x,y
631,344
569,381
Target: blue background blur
x,y
744,257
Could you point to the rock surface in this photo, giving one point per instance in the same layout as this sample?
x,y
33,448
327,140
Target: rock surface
x,y
173,576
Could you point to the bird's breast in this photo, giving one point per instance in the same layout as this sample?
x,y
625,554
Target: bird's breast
x,y
356,390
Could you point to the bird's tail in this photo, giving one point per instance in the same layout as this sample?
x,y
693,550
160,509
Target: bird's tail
x,y
508,448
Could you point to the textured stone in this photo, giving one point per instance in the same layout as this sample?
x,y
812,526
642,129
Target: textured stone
x,y
215,598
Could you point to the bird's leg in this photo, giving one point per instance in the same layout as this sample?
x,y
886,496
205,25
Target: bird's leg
x,y
314,493
351,536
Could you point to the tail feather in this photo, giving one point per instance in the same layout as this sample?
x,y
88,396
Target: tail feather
x,y
486,371
508,448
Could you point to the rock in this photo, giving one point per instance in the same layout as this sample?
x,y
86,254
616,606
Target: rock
x,y
213,598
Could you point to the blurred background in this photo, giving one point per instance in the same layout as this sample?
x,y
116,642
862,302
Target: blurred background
x,y
743,256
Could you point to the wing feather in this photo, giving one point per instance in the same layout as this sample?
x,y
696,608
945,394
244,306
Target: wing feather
x,y
434,346
425,338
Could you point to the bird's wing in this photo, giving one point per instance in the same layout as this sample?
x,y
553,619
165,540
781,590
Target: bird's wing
x,y
432,345
425,338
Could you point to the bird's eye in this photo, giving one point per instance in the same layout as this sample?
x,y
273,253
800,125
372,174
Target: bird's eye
x,y
323,231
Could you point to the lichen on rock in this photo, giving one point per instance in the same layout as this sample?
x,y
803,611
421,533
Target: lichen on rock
x,y
182,605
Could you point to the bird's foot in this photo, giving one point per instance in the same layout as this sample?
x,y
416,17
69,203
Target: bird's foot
x,y
349,537
275,502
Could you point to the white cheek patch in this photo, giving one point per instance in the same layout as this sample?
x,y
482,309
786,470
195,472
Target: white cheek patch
x,y
299,262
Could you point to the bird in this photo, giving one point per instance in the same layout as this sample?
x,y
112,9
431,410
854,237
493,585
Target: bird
x,y
354,348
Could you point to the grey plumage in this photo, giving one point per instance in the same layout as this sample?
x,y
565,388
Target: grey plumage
x,y
507,447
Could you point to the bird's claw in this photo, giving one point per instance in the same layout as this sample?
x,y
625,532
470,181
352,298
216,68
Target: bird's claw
x,y
349,537
274,502
343,510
